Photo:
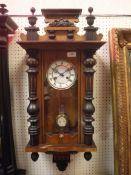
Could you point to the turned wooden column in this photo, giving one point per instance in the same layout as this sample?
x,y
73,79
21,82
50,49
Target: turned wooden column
x,y
89,108
33,108
89,62
32,62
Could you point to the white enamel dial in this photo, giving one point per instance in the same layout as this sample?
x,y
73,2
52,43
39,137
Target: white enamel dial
x,y
61,121
61,75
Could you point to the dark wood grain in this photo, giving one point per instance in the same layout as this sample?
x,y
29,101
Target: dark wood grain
x,y
89,108
33,108
7,149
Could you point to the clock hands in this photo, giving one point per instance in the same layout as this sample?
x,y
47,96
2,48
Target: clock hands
x,y
55,70
61,74
68,69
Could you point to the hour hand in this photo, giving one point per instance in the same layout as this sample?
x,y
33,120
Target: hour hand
x,y
55,78
56,70
69,69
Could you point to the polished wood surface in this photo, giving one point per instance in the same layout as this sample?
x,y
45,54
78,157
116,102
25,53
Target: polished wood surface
x,y
70,97
66,45
62,138
61,148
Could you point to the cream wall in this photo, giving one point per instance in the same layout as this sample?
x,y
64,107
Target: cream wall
x,y
100,6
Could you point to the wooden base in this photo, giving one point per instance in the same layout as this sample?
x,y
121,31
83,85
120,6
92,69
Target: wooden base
x,y
61,152
61,148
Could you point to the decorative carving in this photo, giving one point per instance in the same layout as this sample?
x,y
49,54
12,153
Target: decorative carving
x,y
33,108
61,160
51,34
89,108
90,62
121,98
70,34
122,41
90,30
32,30
61,23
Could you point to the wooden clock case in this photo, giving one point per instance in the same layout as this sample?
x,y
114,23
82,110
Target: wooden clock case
x,y
61,42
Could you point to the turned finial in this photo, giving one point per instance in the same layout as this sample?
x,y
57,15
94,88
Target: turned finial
x,y
3,10
32,19
32,29
90,29
90,18
90,10
32,10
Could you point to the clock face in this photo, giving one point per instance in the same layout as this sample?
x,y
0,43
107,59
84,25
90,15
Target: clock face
x,y
61,75
61,120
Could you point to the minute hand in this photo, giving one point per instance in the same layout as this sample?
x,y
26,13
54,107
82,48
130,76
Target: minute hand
x,y
62,74
56,71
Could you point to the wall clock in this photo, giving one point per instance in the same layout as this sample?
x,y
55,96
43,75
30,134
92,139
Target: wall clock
x,y
61,85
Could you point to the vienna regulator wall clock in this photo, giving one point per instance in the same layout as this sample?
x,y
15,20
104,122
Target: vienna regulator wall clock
x,y
61,85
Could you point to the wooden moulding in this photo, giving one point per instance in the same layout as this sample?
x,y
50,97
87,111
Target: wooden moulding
x,y
7,26
61,148
120,44
48,13
66,45
68,138
8,23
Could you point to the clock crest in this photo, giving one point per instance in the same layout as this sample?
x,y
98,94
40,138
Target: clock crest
x,y
61,85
